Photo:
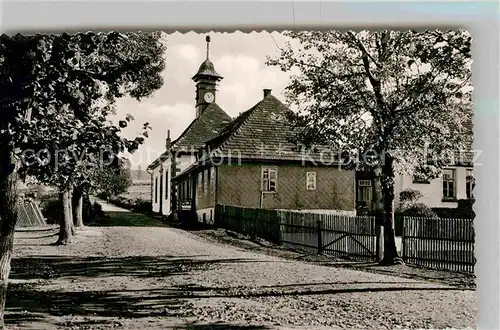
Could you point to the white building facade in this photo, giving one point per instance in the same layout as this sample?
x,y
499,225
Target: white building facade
x,y
454,184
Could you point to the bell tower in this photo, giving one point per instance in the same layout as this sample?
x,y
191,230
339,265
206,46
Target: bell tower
x,y
206,80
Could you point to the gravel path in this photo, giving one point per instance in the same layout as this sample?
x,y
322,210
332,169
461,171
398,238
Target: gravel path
x,y
144,277
107,207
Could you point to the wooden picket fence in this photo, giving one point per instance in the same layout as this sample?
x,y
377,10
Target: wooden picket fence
x,y
338,235
253,222
445,244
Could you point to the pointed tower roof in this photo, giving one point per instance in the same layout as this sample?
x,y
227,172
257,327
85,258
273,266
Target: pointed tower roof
x,y
207,69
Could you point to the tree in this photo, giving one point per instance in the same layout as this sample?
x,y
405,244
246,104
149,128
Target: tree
x,y
95,69
51,88
113,180
18,56
409,204
393,100
98,160
72,161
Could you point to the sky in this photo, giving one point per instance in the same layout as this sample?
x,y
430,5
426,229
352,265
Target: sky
x,y
238,57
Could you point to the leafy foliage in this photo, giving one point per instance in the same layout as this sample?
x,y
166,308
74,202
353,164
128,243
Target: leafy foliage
x,y
397,100
409,204
112,180
409,196
404,93
418,210
51,208
60,90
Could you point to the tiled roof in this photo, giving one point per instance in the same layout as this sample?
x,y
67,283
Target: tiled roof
x,y
228,130
210,123
261,133
207,69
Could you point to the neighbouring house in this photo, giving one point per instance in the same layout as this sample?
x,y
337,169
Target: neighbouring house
x,y
247,162
456,183
140,187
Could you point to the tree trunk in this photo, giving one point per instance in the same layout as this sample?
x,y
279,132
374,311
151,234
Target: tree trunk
x,y
67,228
378,209
391,256
71,221
8,219
78,207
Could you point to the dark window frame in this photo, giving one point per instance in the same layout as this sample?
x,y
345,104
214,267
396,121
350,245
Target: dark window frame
x,y
449,193
470,183
368,188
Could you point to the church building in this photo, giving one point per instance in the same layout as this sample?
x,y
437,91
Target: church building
x,y
182,152
248,161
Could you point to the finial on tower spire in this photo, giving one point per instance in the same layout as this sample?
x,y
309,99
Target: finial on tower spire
x,y
208,45
168,142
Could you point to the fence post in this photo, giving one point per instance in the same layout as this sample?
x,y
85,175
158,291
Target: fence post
x,y
403,239
216,215
320,238
379,232
278,226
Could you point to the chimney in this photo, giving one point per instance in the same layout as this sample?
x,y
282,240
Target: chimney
x,y
168,141
267,92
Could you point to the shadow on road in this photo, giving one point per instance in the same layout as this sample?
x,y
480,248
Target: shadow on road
x,y
60,266
172,301
169,302
222,326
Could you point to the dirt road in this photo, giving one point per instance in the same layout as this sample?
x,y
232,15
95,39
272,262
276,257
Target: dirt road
x,y
165,278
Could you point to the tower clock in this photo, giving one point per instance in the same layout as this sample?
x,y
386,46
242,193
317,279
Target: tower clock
x,y
206,83
209,97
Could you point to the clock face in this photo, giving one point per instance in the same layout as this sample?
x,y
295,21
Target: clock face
x,y
209,97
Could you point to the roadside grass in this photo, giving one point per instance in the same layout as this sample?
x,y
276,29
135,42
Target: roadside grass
x,y
131,219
